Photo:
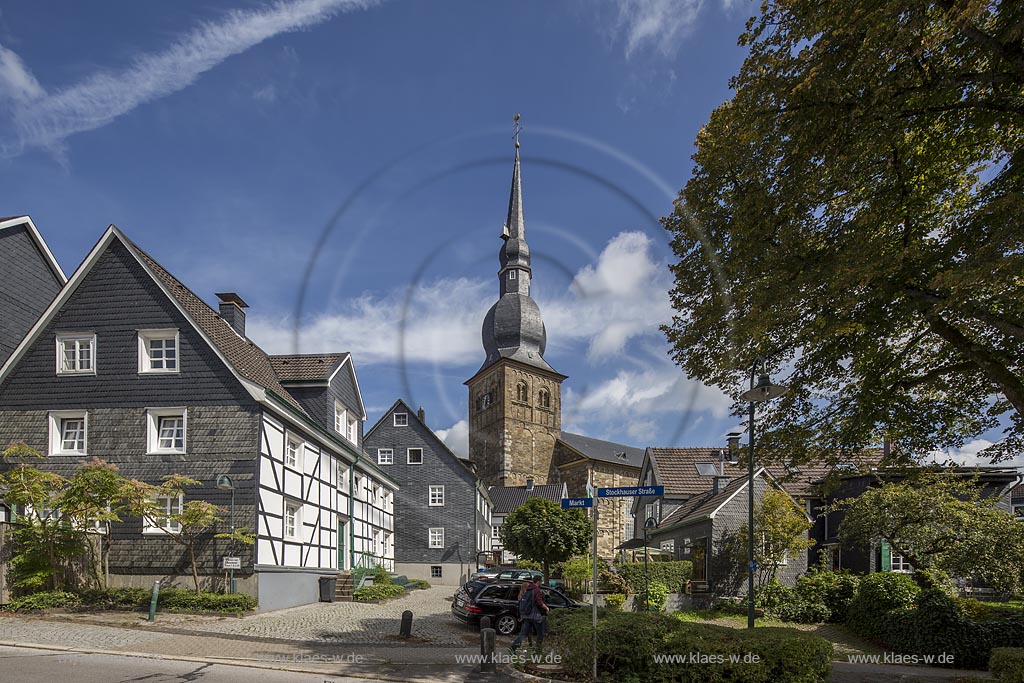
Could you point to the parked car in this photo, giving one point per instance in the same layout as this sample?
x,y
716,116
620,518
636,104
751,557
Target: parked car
x,y
508,574
498,599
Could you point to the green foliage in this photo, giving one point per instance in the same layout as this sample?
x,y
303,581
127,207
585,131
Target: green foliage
x,y
788,603
615,600
941,523
833,590
878,596
181,600
627,643
44,600
781,534
378,591
116,598
418,584
381,576
1007,664
578,568
523,563
853,215
657,594
673,574
42,551
542,531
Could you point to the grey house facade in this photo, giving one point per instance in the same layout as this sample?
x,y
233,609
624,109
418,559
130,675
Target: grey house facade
x,y
443,512
130,366
30,278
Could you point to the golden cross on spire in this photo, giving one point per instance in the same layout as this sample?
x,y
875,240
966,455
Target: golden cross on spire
x,y
516,129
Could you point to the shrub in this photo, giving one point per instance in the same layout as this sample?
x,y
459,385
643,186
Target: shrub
x,y
657,594
615,600
418,583
185,600
381,576
834,591
527,564
378,591
116,598
44,600
1007,664
673,574
628,642
878,595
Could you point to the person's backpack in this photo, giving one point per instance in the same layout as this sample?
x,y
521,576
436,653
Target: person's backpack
x,y
527,603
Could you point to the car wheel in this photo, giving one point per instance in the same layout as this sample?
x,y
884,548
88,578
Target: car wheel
x,y
506,625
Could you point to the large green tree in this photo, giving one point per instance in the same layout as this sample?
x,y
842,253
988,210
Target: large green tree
x,y
541,531
940,521
854,217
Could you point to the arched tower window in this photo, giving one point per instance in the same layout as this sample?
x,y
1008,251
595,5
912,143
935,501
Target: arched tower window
x,y
522,393
544,398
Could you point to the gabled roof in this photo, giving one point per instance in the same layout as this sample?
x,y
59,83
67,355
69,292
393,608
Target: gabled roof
x,y
33,231
307,367
676,470
606,451
505,499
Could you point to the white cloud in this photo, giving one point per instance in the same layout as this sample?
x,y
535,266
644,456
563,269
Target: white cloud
x,y
456,438
267,93
659,25
17,83
106,95
969,455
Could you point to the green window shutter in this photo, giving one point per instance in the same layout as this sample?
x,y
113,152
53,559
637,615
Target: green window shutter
x,y
886,557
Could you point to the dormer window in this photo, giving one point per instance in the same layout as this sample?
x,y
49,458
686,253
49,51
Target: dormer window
x,y
353,429
158,351
76,354
340,418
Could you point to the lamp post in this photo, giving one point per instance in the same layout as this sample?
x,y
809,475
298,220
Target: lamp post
x,y
764,390
651,523
224,483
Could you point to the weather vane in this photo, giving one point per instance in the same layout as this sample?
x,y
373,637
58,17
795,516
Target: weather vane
x,y
516,129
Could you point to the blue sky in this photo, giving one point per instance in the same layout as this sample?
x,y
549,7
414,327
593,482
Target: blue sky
x,y
357,156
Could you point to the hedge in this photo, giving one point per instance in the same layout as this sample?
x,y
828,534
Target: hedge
x,y
673,574
878,596
185,600
1007,664
628,643
378,591
171,599
44,600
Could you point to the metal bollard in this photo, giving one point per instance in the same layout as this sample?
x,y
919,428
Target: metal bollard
x,y
406,630
153,600
487,663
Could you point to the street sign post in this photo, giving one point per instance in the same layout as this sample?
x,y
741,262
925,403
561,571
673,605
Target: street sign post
x,y
568,503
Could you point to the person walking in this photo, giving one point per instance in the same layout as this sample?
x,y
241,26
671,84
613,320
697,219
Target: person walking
x,y
532,610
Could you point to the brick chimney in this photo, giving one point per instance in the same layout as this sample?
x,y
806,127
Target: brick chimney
x,y
232,310
718,484
422,415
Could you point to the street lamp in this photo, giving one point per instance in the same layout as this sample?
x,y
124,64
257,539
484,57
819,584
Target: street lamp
x,y
224,483
651,523
764,390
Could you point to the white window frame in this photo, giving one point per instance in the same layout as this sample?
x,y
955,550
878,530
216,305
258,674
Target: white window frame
x,y
353,431
435,495
390,456
149,526
341,467
669,545
340,417
1018,510
296,507
289,440
408,456
512,274
153,416
63,337
145,357
435,540
904,565
403,422
56,419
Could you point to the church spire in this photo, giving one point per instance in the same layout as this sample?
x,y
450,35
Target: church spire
x,y
514,227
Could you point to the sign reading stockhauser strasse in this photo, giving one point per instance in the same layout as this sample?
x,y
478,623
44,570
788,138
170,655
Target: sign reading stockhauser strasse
x,y
631,492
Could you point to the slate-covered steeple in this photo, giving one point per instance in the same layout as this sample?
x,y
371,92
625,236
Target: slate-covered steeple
x,y
513,328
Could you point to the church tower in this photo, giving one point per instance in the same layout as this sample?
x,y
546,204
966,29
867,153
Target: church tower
x,y
515,398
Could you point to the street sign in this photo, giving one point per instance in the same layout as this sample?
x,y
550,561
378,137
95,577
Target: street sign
x,y
631,492
577,503
232,562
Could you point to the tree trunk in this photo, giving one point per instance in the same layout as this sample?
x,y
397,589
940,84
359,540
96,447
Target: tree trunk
x,y
195,570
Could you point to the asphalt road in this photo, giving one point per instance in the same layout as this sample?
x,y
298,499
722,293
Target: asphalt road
x,y
25,665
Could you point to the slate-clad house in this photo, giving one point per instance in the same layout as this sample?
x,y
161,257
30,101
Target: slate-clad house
x,y
703,530
29,280
507,498
443,515
128,365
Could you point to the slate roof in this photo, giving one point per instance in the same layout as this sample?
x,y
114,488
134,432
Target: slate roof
x,y
607,451
505,499
311,367
676,470
249,360
1018,492
702,505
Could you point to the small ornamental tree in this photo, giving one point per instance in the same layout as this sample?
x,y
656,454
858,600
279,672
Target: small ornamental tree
x,y
92,499
780,533
541,531
196,518
939,521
